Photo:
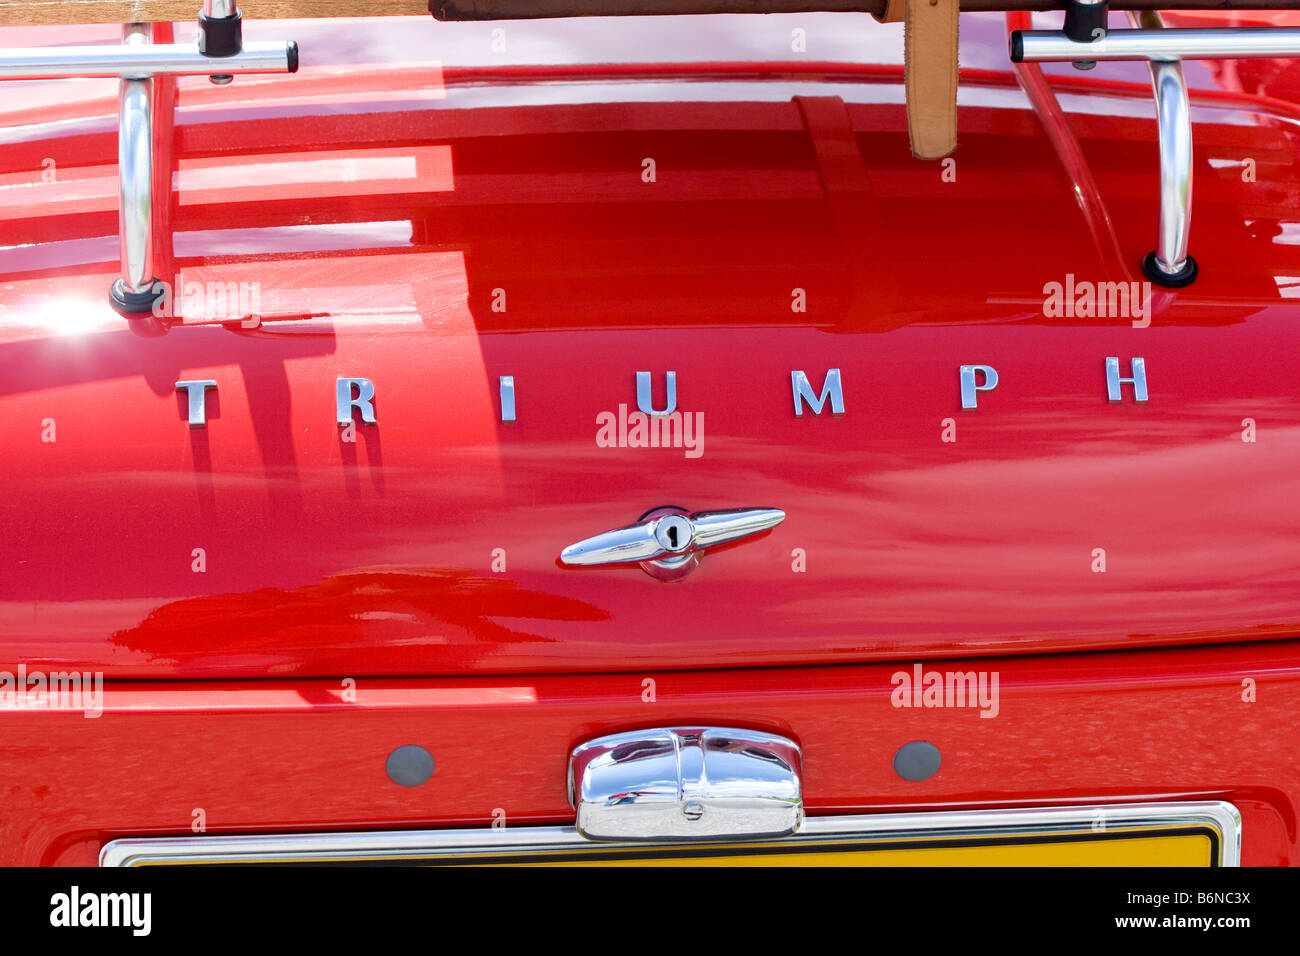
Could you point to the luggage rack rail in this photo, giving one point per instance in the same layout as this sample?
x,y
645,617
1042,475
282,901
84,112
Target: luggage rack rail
x,y
139,63
1084,40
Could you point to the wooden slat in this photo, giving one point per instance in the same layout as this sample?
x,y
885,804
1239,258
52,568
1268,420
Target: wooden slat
x,y
30,12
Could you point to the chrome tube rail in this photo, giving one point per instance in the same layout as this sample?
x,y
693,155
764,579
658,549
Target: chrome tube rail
x,y
137,61
1187,43
219,54
135,172
1170,261
1169,264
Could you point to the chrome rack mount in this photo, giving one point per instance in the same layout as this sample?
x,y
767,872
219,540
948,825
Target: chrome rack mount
x,y
1085,41
144,166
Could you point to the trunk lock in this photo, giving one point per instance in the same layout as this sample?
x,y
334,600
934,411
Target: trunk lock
x,y
667,542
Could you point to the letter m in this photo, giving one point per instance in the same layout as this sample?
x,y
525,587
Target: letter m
x,y
961,688
223,299
803,392
117,909
65,688
1113,300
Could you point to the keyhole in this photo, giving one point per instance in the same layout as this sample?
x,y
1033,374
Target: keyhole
x,y
674,533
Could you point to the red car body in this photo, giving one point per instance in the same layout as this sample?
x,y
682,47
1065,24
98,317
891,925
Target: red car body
x,y
275,608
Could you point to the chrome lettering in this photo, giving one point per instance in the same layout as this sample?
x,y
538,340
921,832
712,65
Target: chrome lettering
x,y
1138,380
644,399
969,388
198,394
507,398
344,402
803,392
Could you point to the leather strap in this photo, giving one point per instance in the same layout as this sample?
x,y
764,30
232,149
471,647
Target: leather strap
x,y
893,12
930,57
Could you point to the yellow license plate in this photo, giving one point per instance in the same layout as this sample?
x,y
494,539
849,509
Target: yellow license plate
x,y
1184,850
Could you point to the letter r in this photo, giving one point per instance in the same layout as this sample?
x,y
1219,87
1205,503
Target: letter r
x,y
344,402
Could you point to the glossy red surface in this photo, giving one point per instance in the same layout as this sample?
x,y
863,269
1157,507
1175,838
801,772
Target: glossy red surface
x,y
293,756
382,196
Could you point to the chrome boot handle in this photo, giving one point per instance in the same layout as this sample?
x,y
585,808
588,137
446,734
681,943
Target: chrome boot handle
x,y
669,539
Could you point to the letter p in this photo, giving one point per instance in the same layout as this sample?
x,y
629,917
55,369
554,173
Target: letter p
x,y
969,387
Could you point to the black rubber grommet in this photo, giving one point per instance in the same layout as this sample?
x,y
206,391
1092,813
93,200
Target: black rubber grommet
x,y
409,765
292,50
917,761
1017,47
221,36
1184,276
132,304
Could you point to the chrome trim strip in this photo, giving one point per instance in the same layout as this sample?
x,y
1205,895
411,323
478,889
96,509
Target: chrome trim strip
x,y
1221,817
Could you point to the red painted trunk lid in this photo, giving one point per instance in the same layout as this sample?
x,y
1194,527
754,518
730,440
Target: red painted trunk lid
x,y
432,230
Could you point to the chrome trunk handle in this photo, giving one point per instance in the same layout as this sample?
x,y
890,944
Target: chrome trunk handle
x,y
667,542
